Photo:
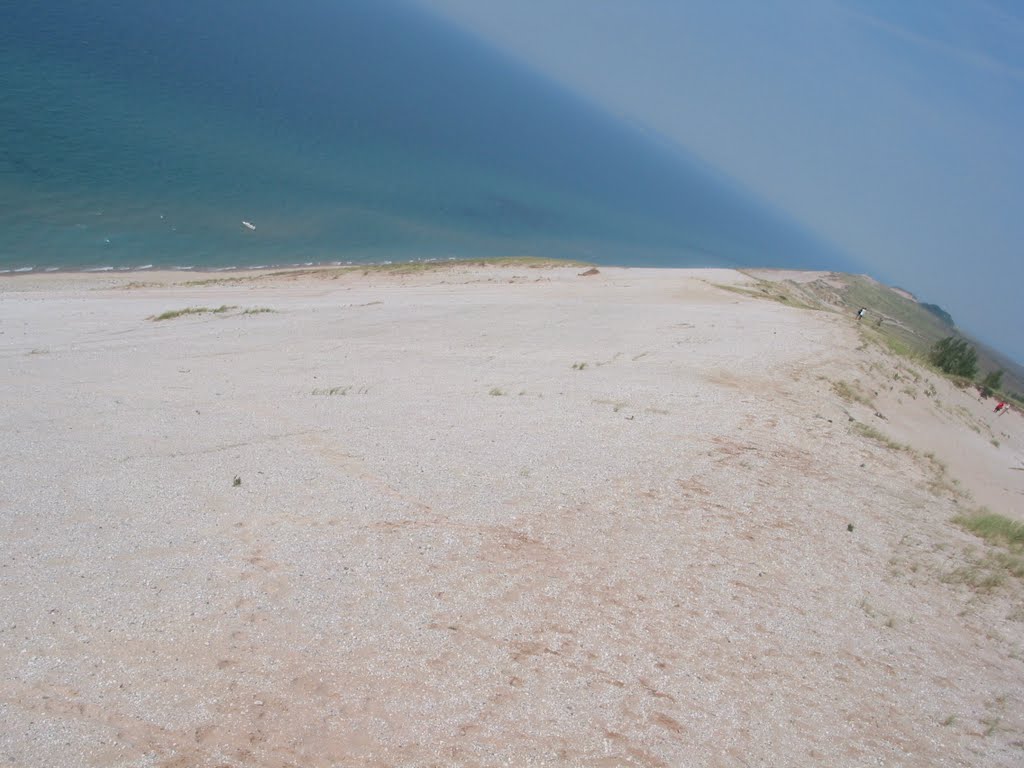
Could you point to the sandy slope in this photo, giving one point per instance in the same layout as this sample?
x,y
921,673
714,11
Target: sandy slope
x,y
455,544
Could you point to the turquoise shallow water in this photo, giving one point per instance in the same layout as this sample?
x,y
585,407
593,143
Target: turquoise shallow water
x,y
145,133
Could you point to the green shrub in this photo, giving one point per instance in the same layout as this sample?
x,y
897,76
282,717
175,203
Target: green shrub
x,y
955,356
992,381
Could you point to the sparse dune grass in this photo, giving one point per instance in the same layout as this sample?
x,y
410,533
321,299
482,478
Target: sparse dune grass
x,y
173,313
939,483
979,576
414,267
223,309
892,338
880,437
331,391
345,390
942,485
994,528
534,262
784,292
852,393
221,280
394,268
135,284
1005,556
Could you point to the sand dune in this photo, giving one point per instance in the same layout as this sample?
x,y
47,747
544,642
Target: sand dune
x,y
490,516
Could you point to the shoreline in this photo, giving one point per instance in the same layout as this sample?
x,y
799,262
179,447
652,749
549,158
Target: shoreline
x,y
106,270
156,276
308,267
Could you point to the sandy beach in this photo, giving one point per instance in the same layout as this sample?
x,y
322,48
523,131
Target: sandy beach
x,y
490,516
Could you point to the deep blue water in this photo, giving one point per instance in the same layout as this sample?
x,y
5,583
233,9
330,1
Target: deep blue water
x,y
136,132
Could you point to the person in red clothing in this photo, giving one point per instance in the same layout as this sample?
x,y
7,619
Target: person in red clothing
x,y
1000,407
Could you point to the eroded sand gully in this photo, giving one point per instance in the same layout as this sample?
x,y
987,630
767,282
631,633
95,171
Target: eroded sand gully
x,y
486,516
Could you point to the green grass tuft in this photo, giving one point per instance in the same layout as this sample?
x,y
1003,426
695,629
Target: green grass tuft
x,y
994,528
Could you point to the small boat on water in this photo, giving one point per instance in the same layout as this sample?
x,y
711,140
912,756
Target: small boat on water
x,y
248,225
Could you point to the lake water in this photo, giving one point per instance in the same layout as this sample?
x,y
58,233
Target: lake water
x,y
136,133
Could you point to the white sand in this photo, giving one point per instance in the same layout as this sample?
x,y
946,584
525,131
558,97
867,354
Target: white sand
x,y
475,553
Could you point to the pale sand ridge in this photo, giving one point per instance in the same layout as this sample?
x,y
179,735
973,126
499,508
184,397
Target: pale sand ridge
x,y
488,516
